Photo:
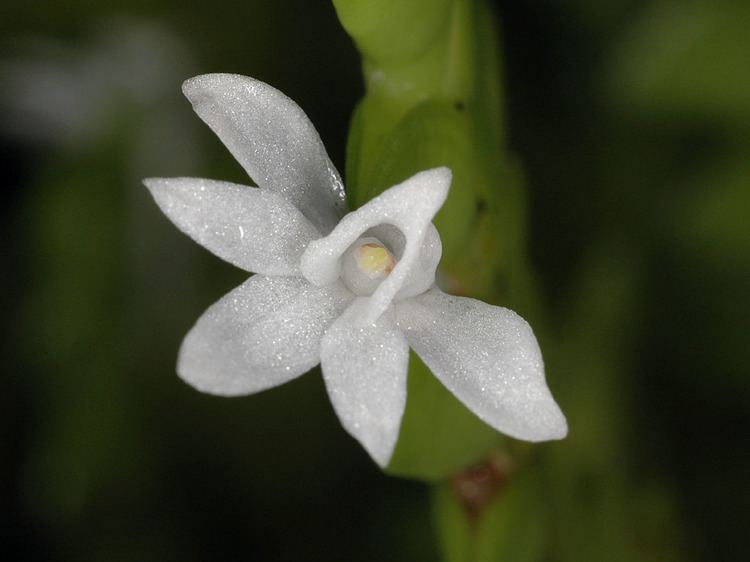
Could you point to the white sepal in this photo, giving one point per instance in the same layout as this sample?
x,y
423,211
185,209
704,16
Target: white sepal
x,y
273,140
488,357
254,229
365,368
263,333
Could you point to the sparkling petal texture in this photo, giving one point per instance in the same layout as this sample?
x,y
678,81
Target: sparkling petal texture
x,y
365,373
410,207
256,230
272,138
488,357
262,334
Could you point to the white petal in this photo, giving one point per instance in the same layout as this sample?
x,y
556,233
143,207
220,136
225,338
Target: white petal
x,y
488,357
262,334
272,138
409,206
365,372
256,230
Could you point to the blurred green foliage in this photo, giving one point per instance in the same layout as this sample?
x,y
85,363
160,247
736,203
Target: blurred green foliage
x,y
632,123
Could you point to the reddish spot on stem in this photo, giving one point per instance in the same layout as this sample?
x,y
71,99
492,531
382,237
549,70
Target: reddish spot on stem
x,y
478,485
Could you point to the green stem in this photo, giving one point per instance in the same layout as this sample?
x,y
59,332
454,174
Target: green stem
x,y
434,98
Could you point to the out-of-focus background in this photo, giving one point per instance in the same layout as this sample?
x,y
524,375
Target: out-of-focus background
x,y
631,119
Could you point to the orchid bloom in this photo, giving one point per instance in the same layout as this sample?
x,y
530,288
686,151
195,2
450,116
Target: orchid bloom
x,y
349,291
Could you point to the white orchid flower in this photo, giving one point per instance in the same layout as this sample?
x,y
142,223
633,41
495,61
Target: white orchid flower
x,y
352,293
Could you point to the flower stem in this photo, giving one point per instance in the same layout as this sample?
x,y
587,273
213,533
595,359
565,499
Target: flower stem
x,y
434,98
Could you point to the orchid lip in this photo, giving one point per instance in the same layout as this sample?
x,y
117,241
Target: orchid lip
x,y
409,207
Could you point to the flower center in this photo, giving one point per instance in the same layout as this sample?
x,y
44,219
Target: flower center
x,y
365,264
374,260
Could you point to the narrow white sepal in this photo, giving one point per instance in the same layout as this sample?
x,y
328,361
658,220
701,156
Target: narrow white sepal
x,y
256,230
273,140
265,332
488,357
364,368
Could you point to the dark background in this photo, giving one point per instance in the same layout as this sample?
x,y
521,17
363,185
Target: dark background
x,y
632,122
